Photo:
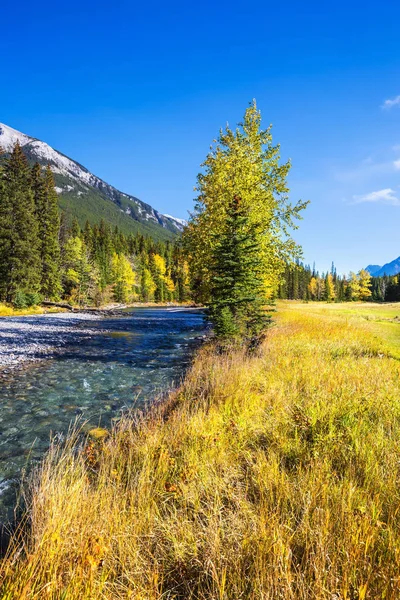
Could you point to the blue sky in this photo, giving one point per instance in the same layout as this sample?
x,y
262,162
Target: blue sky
x,y
137,91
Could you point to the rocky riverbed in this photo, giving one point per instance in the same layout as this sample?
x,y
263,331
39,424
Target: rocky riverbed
x,y
98,368
32,338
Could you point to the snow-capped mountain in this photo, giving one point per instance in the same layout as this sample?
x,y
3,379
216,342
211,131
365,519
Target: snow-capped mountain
x,y
179,223
86,196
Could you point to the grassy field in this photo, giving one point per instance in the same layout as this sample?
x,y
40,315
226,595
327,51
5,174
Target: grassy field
x,y
271,476
383,318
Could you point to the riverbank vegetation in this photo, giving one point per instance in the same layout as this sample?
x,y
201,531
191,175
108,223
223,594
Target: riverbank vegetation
x,y
271,475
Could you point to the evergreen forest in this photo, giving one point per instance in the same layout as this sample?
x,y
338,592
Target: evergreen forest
x,y
43,256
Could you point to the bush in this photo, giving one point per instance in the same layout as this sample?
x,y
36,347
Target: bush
x,y
26,299
32,299
20,300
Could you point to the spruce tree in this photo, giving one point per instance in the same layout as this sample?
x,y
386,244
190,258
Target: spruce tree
x,y
50,246
237,288
103,253
48,219
5,236
19,256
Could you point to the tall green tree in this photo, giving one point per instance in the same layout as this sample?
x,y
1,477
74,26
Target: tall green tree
x,y
237,287
80,275
19,254
48,220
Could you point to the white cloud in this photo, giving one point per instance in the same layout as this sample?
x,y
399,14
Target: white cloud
x,y
397,164
391,102
386,196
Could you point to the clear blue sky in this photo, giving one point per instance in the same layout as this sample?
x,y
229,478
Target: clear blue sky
x,y
136,91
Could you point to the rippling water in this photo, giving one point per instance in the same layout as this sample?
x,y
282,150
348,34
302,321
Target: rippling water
x,y
132,358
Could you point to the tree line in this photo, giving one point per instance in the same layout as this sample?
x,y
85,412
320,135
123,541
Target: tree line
x,y
44,257
300,282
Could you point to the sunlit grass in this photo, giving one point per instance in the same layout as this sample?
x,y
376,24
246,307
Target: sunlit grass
x,y
384,318
271,476
6,310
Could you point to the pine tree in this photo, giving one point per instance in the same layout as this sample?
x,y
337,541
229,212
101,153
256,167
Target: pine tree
x,y
88,236
48,219
103,254
237,289
80,278
75,228
19,256
5,236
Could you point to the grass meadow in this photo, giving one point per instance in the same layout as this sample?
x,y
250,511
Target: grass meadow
x,y
266,476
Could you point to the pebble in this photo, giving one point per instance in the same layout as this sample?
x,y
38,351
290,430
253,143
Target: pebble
x,y
33,338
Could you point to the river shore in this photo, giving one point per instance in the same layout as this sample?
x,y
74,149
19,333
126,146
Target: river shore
x,y
32,338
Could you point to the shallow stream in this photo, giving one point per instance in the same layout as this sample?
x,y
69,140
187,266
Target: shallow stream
x,y
132,359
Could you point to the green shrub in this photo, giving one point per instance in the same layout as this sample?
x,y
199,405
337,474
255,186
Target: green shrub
x,y
20,300
32,299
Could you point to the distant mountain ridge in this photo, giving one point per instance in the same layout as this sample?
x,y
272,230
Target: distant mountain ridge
x,y
372,269
87,197
392,268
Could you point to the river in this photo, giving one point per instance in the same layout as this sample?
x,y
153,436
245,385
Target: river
x,y
128,362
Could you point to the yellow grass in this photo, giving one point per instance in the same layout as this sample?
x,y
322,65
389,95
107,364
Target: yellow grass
x,y
272,476
7,310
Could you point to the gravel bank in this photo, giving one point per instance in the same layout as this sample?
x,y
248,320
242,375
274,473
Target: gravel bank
x,y
33,338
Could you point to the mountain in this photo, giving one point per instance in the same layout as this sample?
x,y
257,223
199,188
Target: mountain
x,y
87,197
392,268
372,269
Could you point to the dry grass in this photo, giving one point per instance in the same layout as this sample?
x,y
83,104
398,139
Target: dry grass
x,y
274,476
7,310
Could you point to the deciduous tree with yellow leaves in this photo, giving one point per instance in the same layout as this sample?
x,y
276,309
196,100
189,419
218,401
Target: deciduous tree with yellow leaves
x,y
123,277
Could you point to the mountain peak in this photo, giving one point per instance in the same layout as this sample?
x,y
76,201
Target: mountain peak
x,y
372,269
9,137
86,196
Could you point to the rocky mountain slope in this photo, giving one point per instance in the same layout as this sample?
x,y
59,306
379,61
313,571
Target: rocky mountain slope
x,y
87,197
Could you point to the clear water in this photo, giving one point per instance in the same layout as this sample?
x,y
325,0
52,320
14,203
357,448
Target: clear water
x,y
133,358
